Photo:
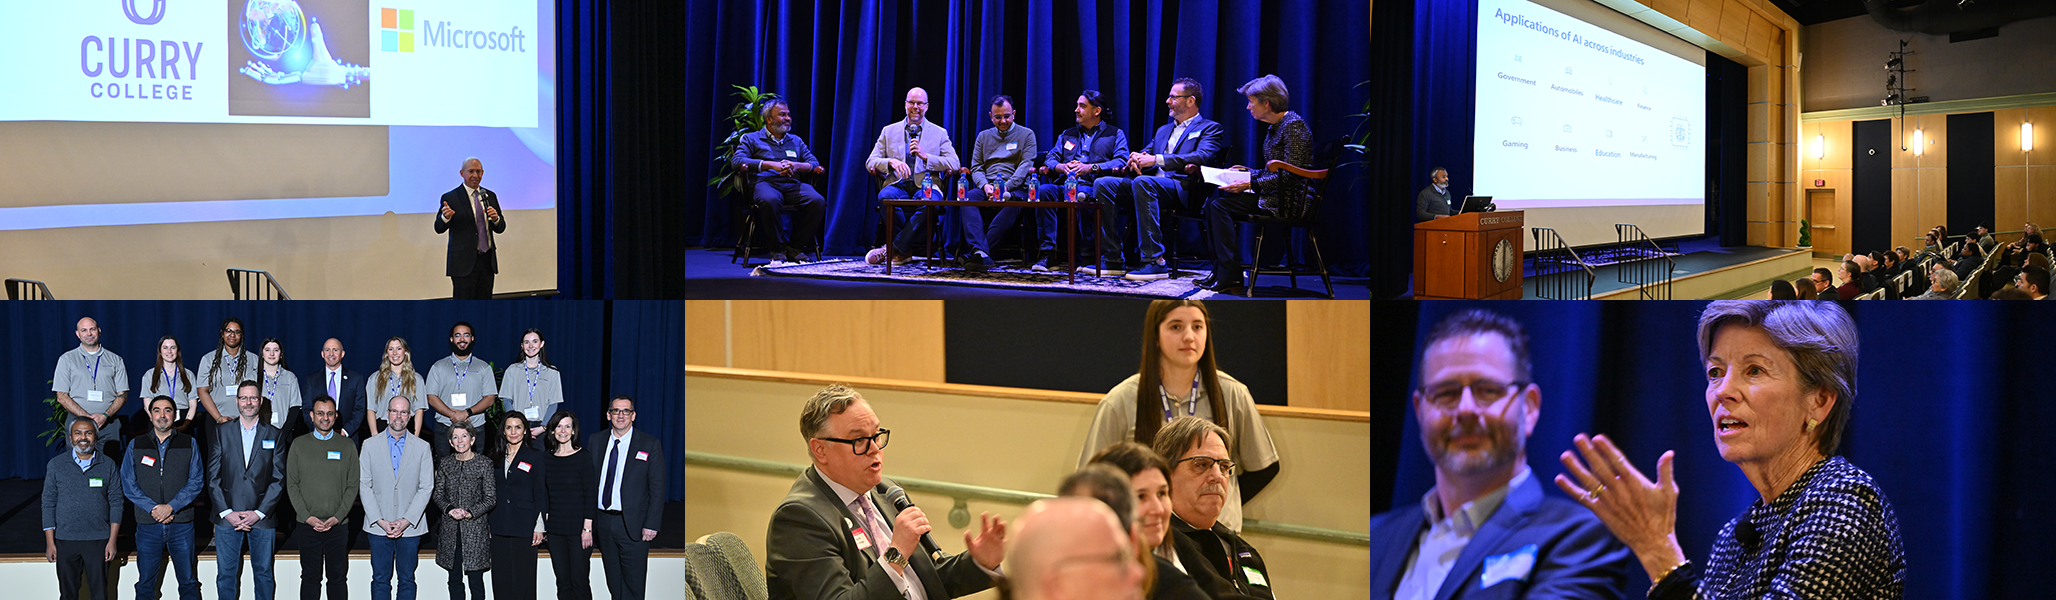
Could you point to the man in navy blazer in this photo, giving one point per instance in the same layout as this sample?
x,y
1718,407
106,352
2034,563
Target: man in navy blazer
x,y
474,255
631,499
342,385
1095,151
1189,139
246,471
1486,530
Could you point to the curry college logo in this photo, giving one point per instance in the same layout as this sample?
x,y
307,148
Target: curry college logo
x,y
156,13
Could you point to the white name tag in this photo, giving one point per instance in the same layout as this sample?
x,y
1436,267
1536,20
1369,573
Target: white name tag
x,y
458,400
791,154
642,456
522,466
94,396
1068,145
149,462
1513,565
96,482
334,455
863,541
534,413
269,444
1013,145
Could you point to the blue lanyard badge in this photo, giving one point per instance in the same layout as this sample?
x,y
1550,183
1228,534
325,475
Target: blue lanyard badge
x,y
1191,401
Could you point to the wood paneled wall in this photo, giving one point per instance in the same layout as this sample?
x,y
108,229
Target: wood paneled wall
x,y
2024,182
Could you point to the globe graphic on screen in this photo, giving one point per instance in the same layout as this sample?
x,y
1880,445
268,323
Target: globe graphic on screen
x,y
273,27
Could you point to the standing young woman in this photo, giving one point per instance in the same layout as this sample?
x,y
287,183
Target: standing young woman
x,y
533,387
396,377
171,378
280,387
517,523
1178,377
572,485
465,492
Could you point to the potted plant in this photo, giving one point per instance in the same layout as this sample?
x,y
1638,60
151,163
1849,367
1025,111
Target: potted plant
x,y
1805,234
742,119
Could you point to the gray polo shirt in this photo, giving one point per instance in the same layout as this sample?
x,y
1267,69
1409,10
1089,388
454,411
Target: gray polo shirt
x,y
1003,159
234,369
461,385
183,388
92,378
534,393
376,396
283,389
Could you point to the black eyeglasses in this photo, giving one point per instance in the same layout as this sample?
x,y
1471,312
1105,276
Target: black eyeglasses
x,y
863,445
1486,392
1202,464
1180,96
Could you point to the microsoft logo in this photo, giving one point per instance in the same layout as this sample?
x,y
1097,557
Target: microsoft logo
x,y
396,30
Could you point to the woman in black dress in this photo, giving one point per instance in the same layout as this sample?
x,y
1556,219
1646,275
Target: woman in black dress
x,y
571,484
517,523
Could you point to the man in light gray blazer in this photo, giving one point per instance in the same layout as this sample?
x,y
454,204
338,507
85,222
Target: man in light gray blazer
x,y
396,473
906,149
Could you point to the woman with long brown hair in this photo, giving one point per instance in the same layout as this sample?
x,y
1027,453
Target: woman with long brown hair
x,y
1178,377
170,378
396,377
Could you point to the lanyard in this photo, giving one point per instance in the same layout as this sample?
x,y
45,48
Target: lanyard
x,y
462,370
173,381
1191,401
394,389
271,384
96,368
533,377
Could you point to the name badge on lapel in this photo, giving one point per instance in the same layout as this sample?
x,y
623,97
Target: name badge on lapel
x,y
1513,565
863,541
149,462
1013,145
96,482
269,444
791,154
333,455
523,466
1068,145
642,456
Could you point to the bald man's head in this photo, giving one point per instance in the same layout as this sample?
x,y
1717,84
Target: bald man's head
x,y
1072,548
917,104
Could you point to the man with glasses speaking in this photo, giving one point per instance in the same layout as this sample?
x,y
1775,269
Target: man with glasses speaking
x,y
1486,530
845,532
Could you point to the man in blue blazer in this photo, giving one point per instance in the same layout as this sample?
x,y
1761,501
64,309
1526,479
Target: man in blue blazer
x,y
246,480
1189,139
631,499
1486,530
339,384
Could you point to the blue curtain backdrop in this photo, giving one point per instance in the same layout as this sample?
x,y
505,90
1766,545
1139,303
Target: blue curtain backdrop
x,y
845,67
1950,416
619,140
1445,91
603,349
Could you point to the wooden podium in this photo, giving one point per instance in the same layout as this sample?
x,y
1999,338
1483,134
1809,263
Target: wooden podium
x,y
1471,256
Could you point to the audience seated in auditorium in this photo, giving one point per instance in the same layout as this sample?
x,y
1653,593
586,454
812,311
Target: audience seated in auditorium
x,y
2033,280
1850,287
1782,290
1803,289
2011,294
1824,285
1944,287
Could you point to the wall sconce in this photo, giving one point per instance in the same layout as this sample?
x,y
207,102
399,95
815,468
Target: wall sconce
x,y
1918,147
2027,136
1820,146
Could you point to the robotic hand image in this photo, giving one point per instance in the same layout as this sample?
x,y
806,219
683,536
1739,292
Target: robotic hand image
x,y
277,31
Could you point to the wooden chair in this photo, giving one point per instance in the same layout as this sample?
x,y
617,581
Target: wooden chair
x,y
745,244
1325,155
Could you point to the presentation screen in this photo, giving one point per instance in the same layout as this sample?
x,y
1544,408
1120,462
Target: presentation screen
x,y
1586,118
141,112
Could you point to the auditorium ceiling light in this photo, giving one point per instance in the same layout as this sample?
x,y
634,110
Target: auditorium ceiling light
x,y
1894,63
1820,146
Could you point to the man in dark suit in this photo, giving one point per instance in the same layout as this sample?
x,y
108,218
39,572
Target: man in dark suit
x,y
1486,530
338,383
474,258
1189,139
247,472
631,506
837,535
1433,201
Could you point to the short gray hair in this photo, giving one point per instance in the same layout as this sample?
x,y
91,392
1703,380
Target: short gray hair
x,y
1947,278
1269,90
828,402
764,111
1182,434
1823,342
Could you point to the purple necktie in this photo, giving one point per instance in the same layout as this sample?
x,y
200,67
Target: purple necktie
x,y
332,386
478,210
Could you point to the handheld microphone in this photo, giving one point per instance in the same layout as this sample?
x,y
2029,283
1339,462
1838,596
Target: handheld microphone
x,y
899,500
1745,532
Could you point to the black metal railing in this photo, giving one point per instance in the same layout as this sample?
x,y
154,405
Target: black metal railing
x,y
1643,263
1559,273
258,285
28,289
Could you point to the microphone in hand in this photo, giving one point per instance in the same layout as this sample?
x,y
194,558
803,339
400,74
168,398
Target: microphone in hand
x,y
899,500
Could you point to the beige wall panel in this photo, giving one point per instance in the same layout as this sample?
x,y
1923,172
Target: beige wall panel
x,y
2044,118
2009,197
2041,193
1906,213
1328,354
706,333
1758,194
1758,233
861,338
1734,23
2006,137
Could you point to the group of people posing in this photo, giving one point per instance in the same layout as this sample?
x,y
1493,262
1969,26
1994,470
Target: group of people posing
x,y
1091,161
226,439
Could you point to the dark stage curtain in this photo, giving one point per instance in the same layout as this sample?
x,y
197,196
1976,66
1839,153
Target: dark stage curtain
x,y
1445,53
603,349
619,140
1948,417
1389,146
846,67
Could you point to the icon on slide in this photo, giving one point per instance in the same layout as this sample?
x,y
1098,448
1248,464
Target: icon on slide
x,y
1517,58
1516,120
1567,70
1566,129
292,59
1609,133
1681,132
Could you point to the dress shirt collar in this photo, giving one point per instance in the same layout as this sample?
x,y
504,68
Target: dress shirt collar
x,y
1474,513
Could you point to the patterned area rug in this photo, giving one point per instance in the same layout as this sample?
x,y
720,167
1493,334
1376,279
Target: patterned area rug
x,y
1179,285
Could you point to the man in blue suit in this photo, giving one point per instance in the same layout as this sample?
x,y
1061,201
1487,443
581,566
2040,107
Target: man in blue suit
x,y
1486,530
1189,139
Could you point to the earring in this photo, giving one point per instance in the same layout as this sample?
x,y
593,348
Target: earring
x,y
1812,423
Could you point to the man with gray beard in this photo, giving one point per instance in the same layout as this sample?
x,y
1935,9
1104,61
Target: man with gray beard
x,y
776,157
1486,530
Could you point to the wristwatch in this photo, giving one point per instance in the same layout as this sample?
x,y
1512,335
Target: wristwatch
x,y
893,555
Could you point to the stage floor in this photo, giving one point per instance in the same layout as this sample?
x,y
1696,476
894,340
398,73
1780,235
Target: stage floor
x,y
710,276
